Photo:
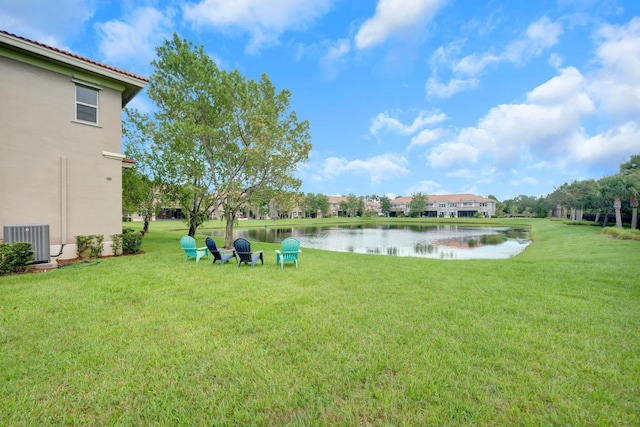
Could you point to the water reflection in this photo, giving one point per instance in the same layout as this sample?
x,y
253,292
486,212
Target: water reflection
x,y
425,241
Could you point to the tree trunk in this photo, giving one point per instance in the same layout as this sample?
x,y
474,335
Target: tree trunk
x,y
634,212
617,205
597,220
572,214
192,228
230,217
579,214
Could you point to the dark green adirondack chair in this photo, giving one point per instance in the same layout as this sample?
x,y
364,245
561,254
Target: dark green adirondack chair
x,y
223,255
243,250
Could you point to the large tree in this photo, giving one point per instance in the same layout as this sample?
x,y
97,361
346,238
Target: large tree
x,y
229,140
316,204
385,205
631,170
418,204
615,187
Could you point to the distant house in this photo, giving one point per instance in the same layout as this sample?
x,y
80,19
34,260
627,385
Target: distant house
x,y
334,205
448,206
60,142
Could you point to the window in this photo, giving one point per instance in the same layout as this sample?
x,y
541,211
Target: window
x,y
86,104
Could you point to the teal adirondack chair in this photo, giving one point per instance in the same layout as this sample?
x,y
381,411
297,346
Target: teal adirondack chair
x,y
188,244
289,252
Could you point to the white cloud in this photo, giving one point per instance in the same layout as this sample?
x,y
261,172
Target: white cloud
x,y
453,154
379,168
614,144
617,84
136,37
385,122
393,16
546,126
437,89
426,137
334,55
265,21
427,187
473,64
47,22
539,36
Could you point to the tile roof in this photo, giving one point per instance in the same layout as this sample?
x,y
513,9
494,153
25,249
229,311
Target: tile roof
x,y
449,198
81,58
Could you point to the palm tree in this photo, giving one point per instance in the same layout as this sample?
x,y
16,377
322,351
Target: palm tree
x,y
615,187
631,171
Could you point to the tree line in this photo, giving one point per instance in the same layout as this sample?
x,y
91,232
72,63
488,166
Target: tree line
x,y
615,194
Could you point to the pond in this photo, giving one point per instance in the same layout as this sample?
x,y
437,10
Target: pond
x,y
423,241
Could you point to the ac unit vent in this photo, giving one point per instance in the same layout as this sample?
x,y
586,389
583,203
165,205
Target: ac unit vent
x,y
36,234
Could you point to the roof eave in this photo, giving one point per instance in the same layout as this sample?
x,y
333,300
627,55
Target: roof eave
x,y
133,84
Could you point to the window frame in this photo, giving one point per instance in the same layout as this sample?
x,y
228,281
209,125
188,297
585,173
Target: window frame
x,y
77,103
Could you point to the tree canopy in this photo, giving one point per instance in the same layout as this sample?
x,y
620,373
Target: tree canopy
x,y
224,139
418,204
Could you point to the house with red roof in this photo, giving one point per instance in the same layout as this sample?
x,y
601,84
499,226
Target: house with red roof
x,y
60,142
448,206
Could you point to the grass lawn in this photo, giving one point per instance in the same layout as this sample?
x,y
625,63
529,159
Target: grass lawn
x,y
549,337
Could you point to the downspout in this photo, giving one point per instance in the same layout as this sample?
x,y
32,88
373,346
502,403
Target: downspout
x,y
63,205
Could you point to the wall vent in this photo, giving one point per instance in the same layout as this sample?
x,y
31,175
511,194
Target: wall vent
x,y
36,234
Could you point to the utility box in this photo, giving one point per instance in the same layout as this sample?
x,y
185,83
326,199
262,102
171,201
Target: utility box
x,y
36,234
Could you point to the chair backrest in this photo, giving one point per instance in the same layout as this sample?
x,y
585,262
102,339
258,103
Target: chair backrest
x,y
243,248
211,244
290,245
188,242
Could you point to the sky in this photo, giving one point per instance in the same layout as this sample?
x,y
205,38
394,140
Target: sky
x,y
495,97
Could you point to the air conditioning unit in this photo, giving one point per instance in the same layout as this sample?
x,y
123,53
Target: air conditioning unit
x,y
36,234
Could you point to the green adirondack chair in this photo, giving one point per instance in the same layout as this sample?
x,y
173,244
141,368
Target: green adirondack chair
x,y
188,244
289,252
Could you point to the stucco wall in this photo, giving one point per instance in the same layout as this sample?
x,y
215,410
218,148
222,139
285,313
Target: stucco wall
x,y
52,169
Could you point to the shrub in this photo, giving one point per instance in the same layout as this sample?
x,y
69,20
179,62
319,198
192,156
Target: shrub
x,y
622,233
89,246
131,243
116,245
15,257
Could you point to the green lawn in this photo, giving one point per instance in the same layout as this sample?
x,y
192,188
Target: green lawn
x,y
549,337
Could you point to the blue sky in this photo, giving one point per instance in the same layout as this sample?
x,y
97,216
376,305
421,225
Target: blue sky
x,y
496,97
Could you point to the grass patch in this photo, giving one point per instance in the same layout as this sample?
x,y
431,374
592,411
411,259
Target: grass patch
x,y
547,337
